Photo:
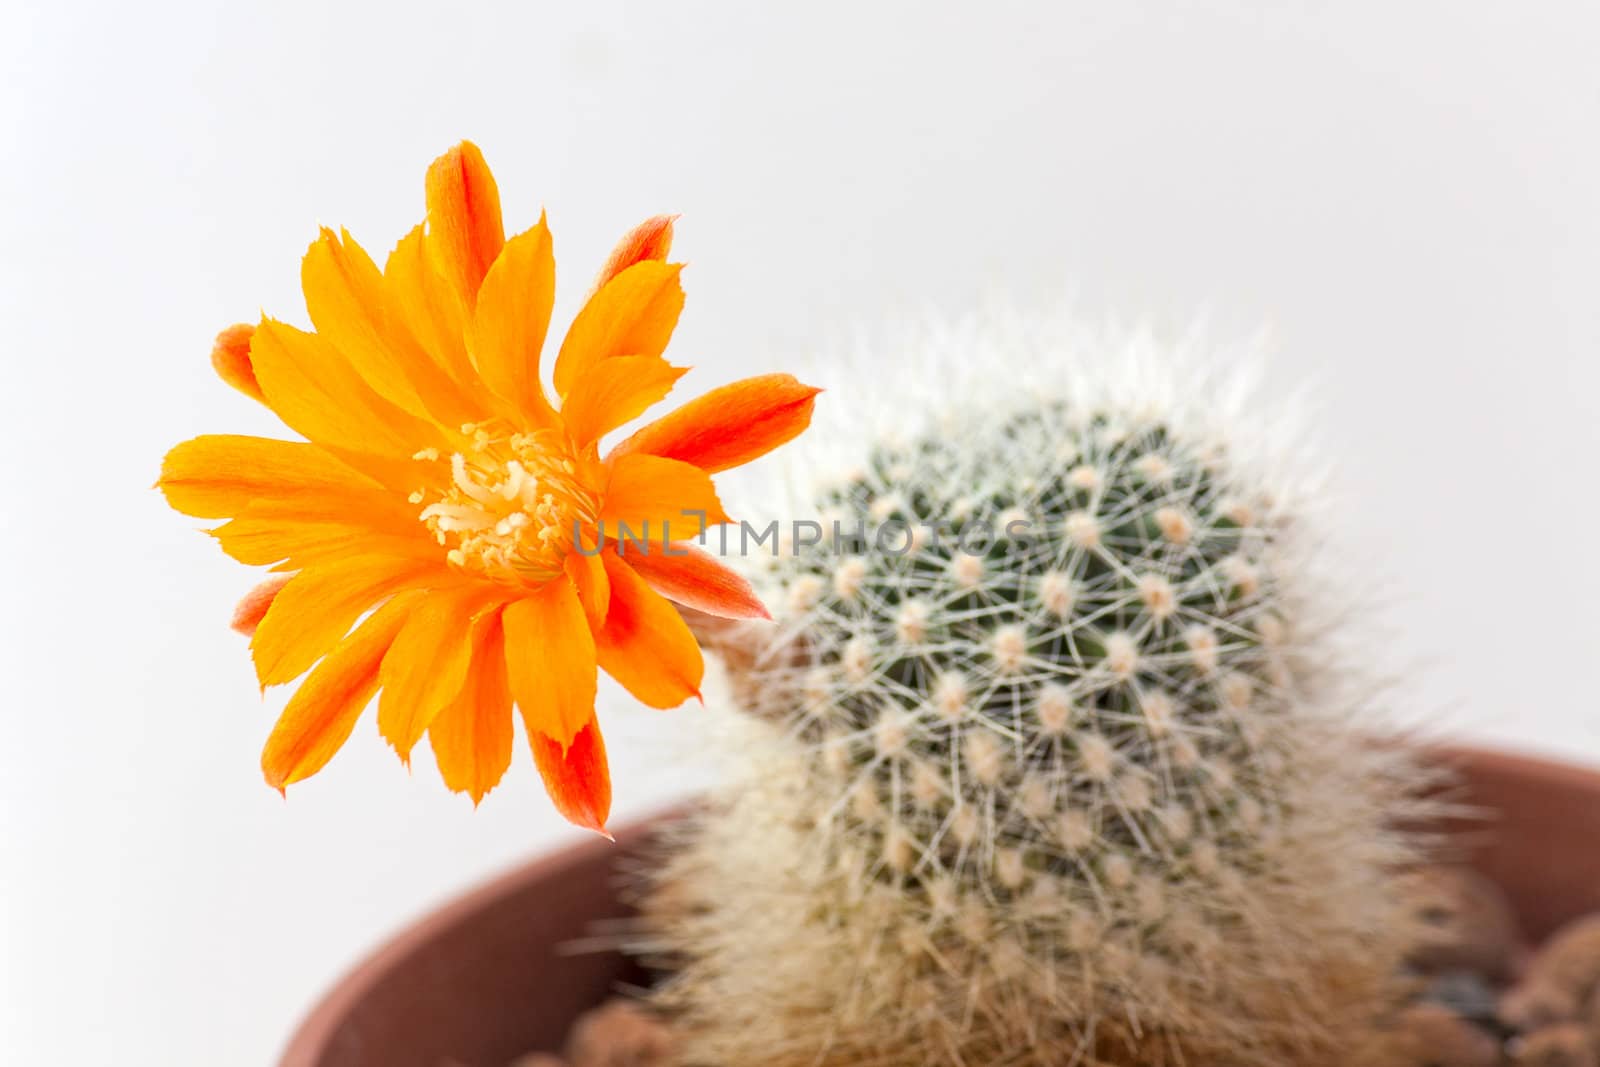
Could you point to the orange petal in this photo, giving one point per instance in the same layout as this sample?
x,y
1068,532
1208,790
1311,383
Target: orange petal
x,y
688,576
657,501
265,541
633,314
313,527
588,575
512,316
220,475
729,426
319,717
426,666
576,776
645,644
651,239
317,393
230,358
616,391
550,660
464,229
247,615
471,736
348,304
316,609
430,308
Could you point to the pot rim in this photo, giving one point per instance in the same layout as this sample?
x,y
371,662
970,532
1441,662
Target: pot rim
x,y
316,1032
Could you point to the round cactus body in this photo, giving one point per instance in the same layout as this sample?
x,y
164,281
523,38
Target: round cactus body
x,y
1045,779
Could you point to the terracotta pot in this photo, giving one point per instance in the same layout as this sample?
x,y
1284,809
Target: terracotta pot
x,y
487,978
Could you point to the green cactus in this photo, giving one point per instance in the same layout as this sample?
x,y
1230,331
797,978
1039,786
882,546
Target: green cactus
x,y
1048,775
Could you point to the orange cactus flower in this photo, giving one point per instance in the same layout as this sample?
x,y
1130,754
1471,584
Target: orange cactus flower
x,y
442,537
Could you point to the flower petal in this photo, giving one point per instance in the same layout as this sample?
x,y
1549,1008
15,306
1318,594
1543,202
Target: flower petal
x,y
588,574
220,475
728,426
266,541
616,391
347,301
651,239
306,528
230,358
429,306
427,665
576,776
658,501
465,233
645,644
317,393
686,575
550,660
512,316
471,736
316,609
319,717
247,615
633,314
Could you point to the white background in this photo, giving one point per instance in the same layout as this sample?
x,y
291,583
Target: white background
x,y
1407,194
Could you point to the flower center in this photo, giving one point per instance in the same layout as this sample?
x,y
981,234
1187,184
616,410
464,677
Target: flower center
x,y
514,507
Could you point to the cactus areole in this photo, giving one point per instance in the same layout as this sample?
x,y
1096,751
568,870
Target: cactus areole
x,y
1056,778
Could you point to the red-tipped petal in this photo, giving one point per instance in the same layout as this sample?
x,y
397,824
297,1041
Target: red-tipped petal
x,y
651,239
249,612
728,426
686,575
577,779
230,358
465,232
645,644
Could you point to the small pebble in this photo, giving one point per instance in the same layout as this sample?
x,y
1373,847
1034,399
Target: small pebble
x,y
1468,923
1556,1046
619,1033
1431,1035
1533,1005
1570,959
1460,1019
1560,980
1466,994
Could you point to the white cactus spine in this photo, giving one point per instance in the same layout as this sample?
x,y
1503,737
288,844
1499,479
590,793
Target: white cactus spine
x,y
1087,795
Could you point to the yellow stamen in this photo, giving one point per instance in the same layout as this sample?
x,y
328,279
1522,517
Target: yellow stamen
x,y
512,505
